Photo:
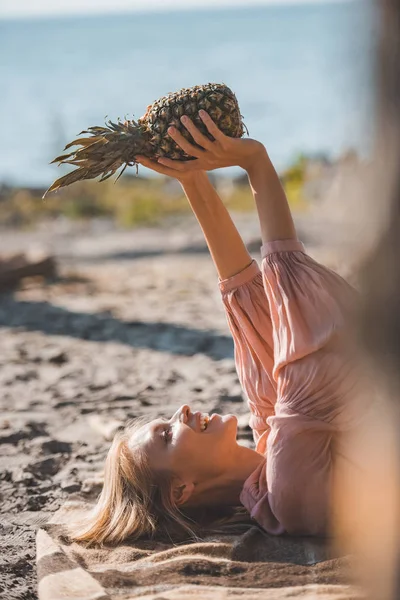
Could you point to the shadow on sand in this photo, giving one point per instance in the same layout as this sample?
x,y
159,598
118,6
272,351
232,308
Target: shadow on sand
x,y
102,327
253,246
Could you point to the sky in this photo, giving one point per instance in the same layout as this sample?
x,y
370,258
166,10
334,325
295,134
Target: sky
x,y
39,8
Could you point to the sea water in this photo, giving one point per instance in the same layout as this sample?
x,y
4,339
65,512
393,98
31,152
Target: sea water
x,y
302,75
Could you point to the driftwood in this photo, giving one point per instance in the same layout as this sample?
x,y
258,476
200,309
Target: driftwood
x,y
16,267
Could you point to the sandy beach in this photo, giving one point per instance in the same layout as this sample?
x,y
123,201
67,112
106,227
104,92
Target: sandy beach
x,y
133,326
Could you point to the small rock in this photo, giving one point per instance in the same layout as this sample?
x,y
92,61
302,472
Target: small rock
x,y
5,475
70,486
56,447
46,467
58,358
36,503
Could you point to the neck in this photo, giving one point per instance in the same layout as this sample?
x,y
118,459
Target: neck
x,y
225,489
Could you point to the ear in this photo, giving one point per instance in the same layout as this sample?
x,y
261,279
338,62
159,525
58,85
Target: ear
x,y
181,491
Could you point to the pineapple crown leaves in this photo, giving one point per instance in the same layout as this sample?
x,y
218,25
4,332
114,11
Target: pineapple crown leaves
x,y
102,153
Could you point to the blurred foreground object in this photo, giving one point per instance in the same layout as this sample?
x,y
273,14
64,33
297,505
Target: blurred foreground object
x,y
17,266
118,144
368,500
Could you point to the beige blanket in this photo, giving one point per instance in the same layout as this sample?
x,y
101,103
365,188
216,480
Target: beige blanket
x,y
249,566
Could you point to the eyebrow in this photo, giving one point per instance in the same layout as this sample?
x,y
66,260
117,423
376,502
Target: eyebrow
x,y
157,428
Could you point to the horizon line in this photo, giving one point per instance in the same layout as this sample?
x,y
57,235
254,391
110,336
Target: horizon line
x,y
159,9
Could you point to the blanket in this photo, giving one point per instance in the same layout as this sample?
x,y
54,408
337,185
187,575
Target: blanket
x,y
248,566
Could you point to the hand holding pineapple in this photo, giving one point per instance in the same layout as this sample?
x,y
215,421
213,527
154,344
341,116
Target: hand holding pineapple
x,y
224,151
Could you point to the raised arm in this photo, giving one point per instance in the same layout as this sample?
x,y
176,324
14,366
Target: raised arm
x,y
275,218
227,248
276,221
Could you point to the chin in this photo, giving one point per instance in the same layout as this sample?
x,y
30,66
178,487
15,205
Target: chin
x,y
229,418
230,422
222,423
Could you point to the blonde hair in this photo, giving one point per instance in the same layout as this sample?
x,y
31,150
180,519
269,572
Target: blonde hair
x,y
137,502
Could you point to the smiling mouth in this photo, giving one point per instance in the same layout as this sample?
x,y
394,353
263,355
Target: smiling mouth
x,y
204,421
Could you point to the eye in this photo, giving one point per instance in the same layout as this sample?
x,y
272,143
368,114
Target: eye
x,y
167,435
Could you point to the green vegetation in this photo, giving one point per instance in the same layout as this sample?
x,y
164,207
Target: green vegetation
x,y
293,180
133,200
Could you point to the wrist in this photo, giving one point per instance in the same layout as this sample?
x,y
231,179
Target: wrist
x,y
256,161
193,179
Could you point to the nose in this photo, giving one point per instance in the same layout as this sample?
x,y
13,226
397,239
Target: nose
x,y
182,414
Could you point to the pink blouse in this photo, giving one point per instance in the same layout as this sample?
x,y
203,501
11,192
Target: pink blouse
x,y
288,322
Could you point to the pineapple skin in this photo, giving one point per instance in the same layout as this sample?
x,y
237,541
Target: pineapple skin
x,y
216,99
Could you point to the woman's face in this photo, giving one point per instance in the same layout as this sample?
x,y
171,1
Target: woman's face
x,y
181,445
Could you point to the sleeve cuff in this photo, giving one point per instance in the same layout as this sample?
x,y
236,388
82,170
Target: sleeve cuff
x,y
227,285
281,246
258,423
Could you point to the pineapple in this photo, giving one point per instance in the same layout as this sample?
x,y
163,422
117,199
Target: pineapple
x,y
117,144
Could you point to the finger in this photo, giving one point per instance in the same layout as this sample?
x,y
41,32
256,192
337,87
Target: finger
x,y
155,166
184,144
198,137
211,126
179,165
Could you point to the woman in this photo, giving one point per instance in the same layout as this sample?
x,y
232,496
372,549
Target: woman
x,y
288,325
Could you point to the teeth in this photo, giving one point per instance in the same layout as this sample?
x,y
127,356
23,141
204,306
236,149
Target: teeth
x,y
204,419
